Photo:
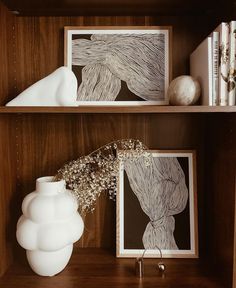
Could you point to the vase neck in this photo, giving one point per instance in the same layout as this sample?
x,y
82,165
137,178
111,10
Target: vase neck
x,y
47,186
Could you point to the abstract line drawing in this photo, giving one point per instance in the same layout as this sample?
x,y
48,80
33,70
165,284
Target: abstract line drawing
x,y
139,60
157,205
162,193
119,66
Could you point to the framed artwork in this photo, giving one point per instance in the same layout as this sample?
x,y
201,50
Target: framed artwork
x,y
120,65
157,206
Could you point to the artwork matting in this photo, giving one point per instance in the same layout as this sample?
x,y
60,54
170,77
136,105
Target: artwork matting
x,y
114,75
130,209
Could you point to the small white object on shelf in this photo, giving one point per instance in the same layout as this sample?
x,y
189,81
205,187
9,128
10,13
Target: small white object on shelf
x,y
49,226
57,89
184,90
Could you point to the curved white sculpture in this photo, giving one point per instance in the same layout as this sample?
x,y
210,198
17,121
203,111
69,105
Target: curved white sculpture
x,y
184,90
57,89
49,226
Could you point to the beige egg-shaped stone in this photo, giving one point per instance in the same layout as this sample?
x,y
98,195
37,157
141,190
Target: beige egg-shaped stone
x,y
184,90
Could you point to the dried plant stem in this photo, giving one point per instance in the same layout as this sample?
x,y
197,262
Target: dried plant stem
x,y
89,176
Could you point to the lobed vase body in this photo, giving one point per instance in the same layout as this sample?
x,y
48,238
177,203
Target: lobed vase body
x,y
49,263
49,226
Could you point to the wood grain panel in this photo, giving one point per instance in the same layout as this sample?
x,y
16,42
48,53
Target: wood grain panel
x,y
34,53
34,145
100,268
220,188
187,34
119,109
7,167
3,52
6,54
8,200
7,179
52,140
39,41
183,131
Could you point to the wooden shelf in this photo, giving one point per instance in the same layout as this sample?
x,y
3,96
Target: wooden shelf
x,y
37,141
114,7
121,109
93,267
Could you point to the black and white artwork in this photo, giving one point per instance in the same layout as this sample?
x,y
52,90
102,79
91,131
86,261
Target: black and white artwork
x,y
119,67
157,206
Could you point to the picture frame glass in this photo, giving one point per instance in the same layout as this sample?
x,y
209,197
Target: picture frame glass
x,y
119,65
157,206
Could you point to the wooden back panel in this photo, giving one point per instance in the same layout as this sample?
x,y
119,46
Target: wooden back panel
x,y
7,167
37,145
36,44
220,192
9,202
46,142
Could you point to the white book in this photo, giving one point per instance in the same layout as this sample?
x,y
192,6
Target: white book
x,y
223,30
201,69
215,68
232,64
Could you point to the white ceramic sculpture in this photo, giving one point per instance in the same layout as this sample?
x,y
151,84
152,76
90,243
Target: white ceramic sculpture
x,y
57,89
184,90
49,226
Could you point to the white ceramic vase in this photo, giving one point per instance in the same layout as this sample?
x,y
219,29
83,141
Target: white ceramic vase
x,y
49,226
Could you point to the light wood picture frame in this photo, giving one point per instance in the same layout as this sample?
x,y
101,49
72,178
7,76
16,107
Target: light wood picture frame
x,y
157,206
120,66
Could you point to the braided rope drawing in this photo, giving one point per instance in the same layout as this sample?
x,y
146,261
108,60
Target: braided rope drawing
x,y
162,193
137,59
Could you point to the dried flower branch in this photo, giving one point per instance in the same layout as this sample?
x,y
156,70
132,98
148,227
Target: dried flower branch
x,y
89,176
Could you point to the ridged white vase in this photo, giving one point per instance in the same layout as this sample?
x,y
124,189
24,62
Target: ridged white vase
x,y
49,226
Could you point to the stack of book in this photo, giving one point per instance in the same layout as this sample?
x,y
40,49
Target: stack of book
x,y
213,64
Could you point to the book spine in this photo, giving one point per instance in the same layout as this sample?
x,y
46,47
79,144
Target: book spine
x,y
232,64
223,64
215,68
210,72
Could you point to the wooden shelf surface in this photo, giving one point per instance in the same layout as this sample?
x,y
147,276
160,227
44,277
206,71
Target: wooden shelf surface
x,y
91,267
121,109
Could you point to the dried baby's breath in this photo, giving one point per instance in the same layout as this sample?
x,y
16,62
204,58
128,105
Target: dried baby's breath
x,y
89,176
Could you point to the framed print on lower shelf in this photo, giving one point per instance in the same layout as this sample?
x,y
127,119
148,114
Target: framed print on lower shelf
x,y
157,206
120,65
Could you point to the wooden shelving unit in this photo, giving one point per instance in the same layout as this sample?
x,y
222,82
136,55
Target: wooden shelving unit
x,y
37,141
120,109
100,268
